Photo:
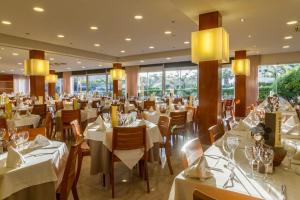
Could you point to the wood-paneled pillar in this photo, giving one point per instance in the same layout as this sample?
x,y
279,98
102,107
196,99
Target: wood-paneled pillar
x,y
37,83
209,83
117,91
51,86
240,88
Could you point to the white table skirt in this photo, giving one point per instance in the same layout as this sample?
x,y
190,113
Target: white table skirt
x,y
42,165
24,120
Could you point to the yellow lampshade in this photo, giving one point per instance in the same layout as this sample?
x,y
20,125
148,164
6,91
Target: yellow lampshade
x,y
51,78
117,74
210,44
241,67
36,67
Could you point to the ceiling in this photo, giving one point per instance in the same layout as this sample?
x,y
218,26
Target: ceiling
x,y
264,21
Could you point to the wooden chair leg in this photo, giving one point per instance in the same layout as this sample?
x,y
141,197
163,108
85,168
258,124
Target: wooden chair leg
x,y
112,181
103,180
79,163
168,154
75,193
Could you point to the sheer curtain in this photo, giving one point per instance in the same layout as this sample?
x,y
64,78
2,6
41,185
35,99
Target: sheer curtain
x,y
21,84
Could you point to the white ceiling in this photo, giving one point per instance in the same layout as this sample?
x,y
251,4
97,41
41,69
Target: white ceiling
x,y
265,21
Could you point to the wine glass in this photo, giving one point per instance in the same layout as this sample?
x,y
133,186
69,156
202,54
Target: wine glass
x,y
227,151
232,143
250,154
2,133
266,156
291,149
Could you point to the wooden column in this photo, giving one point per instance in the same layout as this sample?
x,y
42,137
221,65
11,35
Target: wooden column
x,y
116,90
37,83
51,86
240,88
209,83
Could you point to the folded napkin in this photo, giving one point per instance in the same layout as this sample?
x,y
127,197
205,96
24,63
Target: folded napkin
x,y
151,109
198,170
141,123
99,121
241,126
40,141
14,158
292,121
17,116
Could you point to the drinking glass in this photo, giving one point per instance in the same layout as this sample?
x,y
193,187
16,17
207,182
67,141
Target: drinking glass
x,y
291,149
250,154
266,156
2,133
232,143
227,151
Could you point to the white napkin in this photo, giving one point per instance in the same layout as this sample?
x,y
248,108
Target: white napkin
x,y
141,123
40,141
171,107
292,121
151,109
99,121
14,158
181,108
198,170
17,116
241,126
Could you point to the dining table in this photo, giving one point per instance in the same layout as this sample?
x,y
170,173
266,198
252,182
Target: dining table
x,y
23,120
38,177
99,139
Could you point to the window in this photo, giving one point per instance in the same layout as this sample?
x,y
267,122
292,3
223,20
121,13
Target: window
x,y
110,86
150,83
279,79
97,83
227,83
59,86
78,84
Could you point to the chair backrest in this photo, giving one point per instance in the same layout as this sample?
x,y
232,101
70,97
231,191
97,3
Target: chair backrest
x,y
191,110
39,109
178,118
95,103
216,131
33,132
76,128
164,123
69,115
83,104
190,152
149,104
128,138
59,105
3,123
69,176
197,195
47,123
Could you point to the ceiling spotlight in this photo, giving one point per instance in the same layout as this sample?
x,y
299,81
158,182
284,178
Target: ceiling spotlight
x,y
288,37
38,9
142,61
138,17
292,22
68,68
6,22
128,39
186,42
0,57
2,71
97,45
100,65
20,63
286,46
94,28
83,67
22,69
242,20
249,36
12,70
15,54
2,48
78,62
168,32
60,36
151,47
122,51
168,58
51,59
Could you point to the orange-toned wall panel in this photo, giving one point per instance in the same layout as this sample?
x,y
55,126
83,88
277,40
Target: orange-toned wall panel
x,y
6,83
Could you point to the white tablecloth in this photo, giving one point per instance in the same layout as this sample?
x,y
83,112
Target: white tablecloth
x,y
130,158
183,187
42,166
86,114
24,120
154,116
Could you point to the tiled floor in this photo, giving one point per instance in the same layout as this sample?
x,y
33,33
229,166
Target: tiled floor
x,y
128,184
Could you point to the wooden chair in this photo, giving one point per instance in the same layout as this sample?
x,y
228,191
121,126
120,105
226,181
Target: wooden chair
x,y
83,104
85,149
59,105
67,116
68,182
216,131
129,138
191,124
197,195
3,123
149,104
190,152
47,123
164,123
178,125
40,109
95,103
33,132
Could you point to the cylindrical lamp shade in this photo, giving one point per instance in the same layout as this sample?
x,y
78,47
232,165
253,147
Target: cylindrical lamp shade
x,y
210,44
241,67
51,78
117,74
36,67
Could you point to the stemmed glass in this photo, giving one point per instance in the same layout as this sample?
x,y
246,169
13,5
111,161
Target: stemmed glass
x,y
291,149
227,151
2,133
232,143
266,156
251,155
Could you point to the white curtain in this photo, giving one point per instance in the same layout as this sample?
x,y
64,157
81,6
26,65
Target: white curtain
x,y
21,84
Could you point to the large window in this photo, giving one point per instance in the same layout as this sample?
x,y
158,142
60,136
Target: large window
x,y
227,83
279,79
150,83
59,86
122,84
78,84
97,83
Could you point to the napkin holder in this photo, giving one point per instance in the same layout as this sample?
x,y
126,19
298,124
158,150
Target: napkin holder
x,y
75,104
8,110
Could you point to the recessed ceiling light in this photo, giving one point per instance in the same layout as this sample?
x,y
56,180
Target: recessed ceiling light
x,y
68,68
168,58
38,9
15,54
97,45
60,36
141,61
78,62
128,39
2,71
168,32
249,36
286,46
83,67
12,70
5,22
100,65
186,42
138,17
288,37
2,48
151,47
20,63
0,57
292,22
51,59
242,20
22,69
122,51
94,28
